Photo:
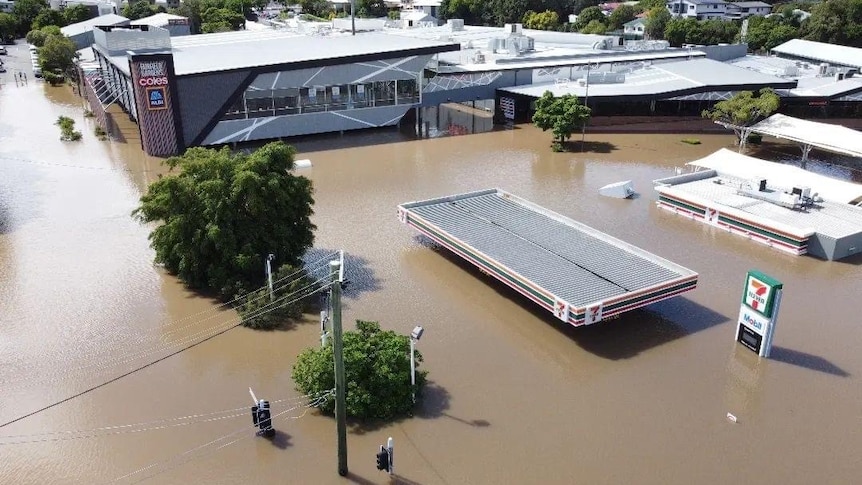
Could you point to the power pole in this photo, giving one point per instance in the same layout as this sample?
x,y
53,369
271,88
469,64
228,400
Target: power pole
x,y
269,259
353,17
337,350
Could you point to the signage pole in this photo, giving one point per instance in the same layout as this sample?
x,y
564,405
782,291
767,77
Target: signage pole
x,y
770,332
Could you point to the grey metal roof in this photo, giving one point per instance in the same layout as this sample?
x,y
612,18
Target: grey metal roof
x,y
750,4
160,19
819,51
667,78
827,218
237,50
79,28
572,261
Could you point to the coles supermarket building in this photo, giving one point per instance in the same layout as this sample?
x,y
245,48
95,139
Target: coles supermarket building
x,y
213,89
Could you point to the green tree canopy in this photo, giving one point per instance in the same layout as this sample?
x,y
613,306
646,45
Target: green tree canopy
x,y
290,288
766,33
588,15
563,115
318,8
76,13
138,10
472,11
224,212
221,20
622,14
578,6
595,27
547,20
744,109
835,22
656,23
25,11
49,17
376,368
8,27
36,37
647,5
57,54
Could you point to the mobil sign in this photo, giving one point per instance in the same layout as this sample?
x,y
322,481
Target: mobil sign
x,y
759,292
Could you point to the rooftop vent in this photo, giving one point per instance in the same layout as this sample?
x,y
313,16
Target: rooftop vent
x,y
455,25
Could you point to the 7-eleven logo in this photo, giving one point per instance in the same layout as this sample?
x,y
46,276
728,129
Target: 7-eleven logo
x,y
757,294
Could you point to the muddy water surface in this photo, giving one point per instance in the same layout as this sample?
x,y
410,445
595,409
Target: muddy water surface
x,y
515,397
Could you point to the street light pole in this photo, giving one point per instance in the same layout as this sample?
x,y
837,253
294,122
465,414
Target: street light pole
x,y
586,101
415,335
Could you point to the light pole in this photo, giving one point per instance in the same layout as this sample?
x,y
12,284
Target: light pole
x,y
415,335
586,101
269,259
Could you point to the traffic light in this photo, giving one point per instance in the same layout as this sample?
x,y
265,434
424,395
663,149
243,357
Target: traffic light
x,y
383,459
264,418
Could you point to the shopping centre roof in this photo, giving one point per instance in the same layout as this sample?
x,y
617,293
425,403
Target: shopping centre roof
x,y
666,80
819,51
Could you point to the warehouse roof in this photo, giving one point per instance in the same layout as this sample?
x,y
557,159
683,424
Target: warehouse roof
x,y
79,28
820,51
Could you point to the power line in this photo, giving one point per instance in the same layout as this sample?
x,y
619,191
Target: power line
x,y
135,427
176,463
93,388
163,346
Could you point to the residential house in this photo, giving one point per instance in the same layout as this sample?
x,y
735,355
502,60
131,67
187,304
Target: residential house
x,y
6,6
742,10
635,29
699,9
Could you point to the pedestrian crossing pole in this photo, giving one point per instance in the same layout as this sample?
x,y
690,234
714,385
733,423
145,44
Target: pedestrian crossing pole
x,y
337,350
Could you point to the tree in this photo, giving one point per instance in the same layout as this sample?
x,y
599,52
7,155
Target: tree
x,y
578,6
191,9
36,37
546,20
138,10
499,12
648,5
472,11
622,14
76,13
377,372
656,23
221,20
57,55
589,14
563,116
224,212
372,8
49,17
257,310
835,22
766,33
678,30
744,109
595,27
25,11
8,28
318,8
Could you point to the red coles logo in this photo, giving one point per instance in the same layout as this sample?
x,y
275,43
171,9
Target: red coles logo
x,y
153,81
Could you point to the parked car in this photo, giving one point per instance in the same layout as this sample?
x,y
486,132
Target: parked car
x,y
3,50
2,68
37,71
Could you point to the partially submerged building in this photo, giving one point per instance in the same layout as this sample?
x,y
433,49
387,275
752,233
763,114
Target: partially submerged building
x,y
782,206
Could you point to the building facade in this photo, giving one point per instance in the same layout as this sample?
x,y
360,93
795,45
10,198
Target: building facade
x,y
215,89
699,9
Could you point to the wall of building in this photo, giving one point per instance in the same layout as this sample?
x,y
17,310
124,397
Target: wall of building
x,y
301,101
154,86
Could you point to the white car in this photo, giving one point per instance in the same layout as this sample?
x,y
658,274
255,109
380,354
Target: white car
x,y
3,50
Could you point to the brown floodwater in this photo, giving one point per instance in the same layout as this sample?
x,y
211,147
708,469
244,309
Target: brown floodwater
x,y
515,397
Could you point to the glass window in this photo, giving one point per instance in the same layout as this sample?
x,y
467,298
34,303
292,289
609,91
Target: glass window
x,y
407,91
285,101
259,107
384,93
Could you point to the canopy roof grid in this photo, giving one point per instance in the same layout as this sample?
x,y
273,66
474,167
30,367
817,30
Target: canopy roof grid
x,y
578,273
829,137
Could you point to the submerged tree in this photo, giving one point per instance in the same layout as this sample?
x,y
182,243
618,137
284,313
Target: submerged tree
x,y
563,116
377,372
224,213
67,129
744,109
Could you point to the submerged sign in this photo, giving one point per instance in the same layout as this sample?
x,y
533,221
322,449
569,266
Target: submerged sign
x,y
156,99
761,298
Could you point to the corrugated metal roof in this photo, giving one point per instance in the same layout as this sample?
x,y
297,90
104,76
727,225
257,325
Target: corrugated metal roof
x,y
574,262
819,51
79,28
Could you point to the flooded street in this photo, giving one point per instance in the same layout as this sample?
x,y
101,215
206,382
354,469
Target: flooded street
x,y
515,396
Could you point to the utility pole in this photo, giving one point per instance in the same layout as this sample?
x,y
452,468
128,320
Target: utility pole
x,y
353,17
586,103
337,350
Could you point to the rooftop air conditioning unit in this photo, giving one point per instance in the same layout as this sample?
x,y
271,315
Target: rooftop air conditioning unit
x,y
455,25
513,29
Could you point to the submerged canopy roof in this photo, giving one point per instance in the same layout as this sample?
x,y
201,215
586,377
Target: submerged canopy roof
x,y
833,138
730,163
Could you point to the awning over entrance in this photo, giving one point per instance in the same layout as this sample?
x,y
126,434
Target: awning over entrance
x,y
825,136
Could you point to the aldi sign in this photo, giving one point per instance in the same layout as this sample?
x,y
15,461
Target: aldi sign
x,y
759,292
156,99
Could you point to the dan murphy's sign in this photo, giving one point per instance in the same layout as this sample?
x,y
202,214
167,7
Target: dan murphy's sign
x,y
759,293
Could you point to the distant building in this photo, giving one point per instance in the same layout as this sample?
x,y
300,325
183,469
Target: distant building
x,y
699,9
6,5
176,25
96,7
635,29
742,10
81,33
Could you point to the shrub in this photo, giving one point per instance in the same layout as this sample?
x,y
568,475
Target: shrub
x,y
754,138
691,141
